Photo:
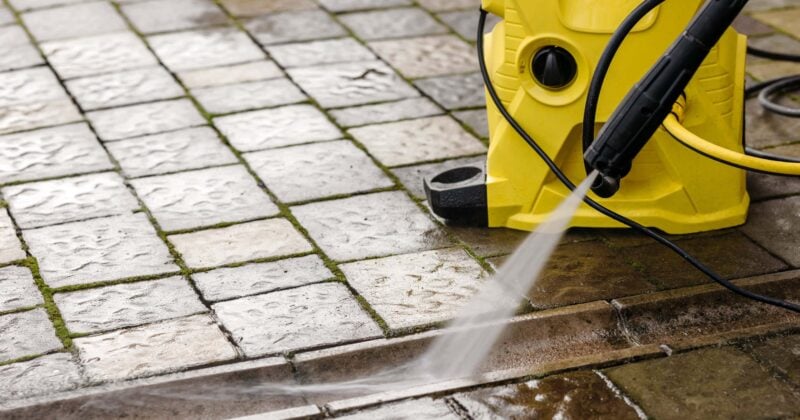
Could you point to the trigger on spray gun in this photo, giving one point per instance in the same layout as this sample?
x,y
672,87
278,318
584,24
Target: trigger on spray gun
x,y
644,108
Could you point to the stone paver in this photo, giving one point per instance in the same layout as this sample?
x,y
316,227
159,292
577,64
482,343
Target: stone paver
x,y
18,289
23,5
454,92
97,54
240,243
785,20
69,199
16,51
441,5
781,353
280,28
140,120
385,112
351,5
309,316
6,17
772,225
99,250
317,170
258,7
204,48
305,54
30,116
427,56
173,15
227,75
250,95
476,120
26,334
125,305
412,176
43,375
422,409
152,349
29,86
124,88
194,199
392,23
73,21
10,246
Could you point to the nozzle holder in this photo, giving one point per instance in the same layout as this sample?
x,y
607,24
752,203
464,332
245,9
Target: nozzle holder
x,y
459,195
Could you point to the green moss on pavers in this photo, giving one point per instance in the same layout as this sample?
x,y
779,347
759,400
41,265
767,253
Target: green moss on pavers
x,y
49,304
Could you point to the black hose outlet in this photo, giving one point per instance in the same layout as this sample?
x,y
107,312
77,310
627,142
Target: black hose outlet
x,y
459,195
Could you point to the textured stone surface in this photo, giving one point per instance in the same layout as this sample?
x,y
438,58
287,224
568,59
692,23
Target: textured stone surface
x,y
393,23
385,112
764,128
429,56
252,279
250,95
441,5
29,116
29,86
99,250
369,226
6,17
17,289
204,48
43,375
227,75
785,20
773,224
69,199
125,305
73,21
140,120
10,246
340,85
309,316
781,353
192,148
124,88
16,52
52,152
206,197
258,7
173,15
239,243
422,409
152,349
279,28
420,140
417,289
454,92
317,170
315,53
476,120
276,127
38,4
350,5
412,176
98,54
26,334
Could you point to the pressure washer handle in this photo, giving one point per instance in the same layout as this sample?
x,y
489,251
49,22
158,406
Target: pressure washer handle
x,y
644,108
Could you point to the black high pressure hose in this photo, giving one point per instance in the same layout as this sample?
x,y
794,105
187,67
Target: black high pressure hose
x,y
595,205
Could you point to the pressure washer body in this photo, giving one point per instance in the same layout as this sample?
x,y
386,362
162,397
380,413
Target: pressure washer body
x,y
541,58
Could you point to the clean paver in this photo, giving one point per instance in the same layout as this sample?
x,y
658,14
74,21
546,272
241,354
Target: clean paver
x,y
422,409
278,28
10,246
226,99
124,88
73,21
26,334
385,112
475,119
306,54
173,15
140,120
29,86
228,75
455,92
16,51
43,375
30,116
427,56
97,54
351,5
260,7
17,289
442,5
204,48
392,23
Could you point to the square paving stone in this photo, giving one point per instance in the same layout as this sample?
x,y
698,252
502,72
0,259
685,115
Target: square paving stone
x,y
782,354
43,375
276,127
441,5
424,139
279,28
710,383
385,112
97,54
348,84
253,279
10,246
29,116
475,119
764,128
317,170
17,289
152,349
260,7
191,148
305,54
125,88
393,23
51,152
140,120
305,317
26,334
99,250
421,409
228,75
206,197
455,92
412,176
69,199
785,20
6,17
204,48
126,305
23,5
369,226
16,51
351,5
240,243
250,95
73,21
29,86
773,224
420,289
173,15
427,56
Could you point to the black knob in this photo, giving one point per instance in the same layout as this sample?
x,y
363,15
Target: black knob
x,y
554,67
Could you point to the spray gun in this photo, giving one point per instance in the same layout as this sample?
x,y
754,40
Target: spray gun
x,y
646,106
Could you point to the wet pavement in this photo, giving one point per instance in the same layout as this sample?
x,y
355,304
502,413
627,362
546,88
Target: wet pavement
x,y
201,196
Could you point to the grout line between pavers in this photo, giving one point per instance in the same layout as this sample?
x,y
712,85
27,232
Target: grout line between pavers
x,y
628,400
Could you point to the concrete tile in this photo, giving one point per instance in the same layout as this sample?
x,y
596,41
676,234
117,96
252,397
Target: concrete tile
x,y
173,15
455,92
23,5
206,197
317,170
249,95
73,21
441,5
422,409
770,4
463,22
412,177
348,84
253,279
369,226
475,119
240,243
772,225
309,316
153,349
69,199
6,17
126,305
10,246
489,241
774,42
26,334
191,148
764,128
276,127
427,56
29,86
51,152
385,112
97,54
392,23
228,75
785,20
204,48
19,289
258,7
43,375
709,383
99,250
16,51
781,354
306,54
283,27
415,290
351,5
29,116
763,186
424,139
125,88
140,120
747,25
